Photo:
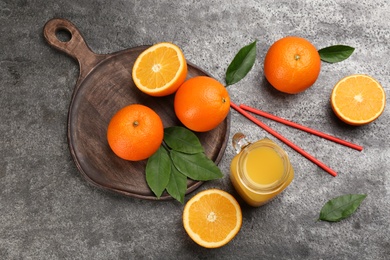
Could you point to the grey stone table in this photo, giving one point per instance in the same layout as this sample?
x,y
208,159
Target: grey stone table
x,y
48,211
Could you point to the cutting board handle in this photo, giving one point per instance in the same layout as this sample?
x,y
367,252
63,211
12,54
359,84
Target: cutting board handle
x,y
75,47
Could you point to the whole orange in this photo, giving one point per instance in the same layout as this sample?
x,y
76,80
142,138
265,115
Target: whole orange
x,y
292,64
135,132
201,103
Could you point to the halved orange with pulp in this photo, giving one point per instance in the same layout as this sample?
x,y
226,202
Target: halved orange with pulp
x,y
358,99
212,218
160,69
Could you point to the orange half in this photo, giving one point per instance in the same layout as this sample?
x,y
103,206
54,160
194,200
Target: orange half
x,y
212,218
358,99
160,69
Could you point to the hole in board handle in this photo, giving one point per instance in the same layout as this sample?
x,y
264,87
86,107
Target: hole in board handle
x,y
63,35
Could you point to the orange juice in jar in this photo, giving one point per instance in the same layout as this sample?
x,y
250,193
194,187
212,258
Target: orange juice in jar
x,y
260,171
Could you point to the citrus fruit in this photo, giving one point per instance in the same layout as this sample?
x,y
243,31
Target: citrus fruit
x,y
212,218
201,103
135,132
292,64
160,69
358,99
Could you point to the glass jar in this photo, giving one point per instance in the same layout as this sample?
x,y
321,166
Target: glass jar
x,y
260,170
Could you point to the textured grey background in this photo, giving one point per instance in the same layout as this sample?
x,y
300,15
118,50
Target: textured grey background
x,y
48,211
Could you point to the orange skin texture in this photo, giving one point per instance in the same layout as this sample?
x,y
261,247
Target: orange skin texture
x,y
201,103
135,132
292,64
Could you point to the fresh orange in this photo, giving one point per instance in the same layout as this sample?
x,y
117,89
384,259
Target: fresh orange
x,y
358,99
160,69
292,64
201,103
135,132
212,218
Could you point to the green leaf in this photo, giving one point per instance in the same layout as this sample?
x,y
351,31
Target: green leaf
x,y
180,156
183,140
341,207
196,166
241,64
177,185
336,53
158,171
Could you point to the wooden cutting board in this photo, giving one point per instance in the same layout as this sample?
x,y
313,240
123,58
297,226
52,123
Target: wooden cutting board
x,y
103,87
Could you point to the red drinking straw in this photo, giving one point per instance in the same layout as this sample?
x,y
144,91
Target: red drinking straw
x,y
283,139
301,127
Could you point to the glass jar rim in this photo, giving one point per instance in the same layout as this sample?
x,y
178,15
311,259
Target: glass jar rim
x,y
263,188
